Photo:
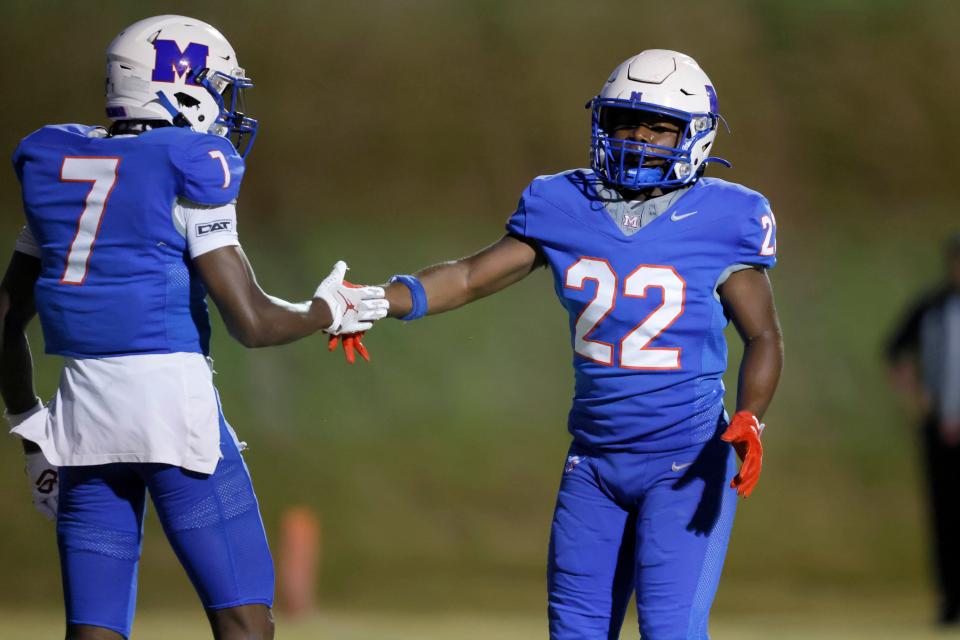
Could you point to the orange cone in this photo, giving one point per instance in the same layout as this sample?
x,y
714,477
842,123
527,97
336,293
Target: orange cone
x,y
298,560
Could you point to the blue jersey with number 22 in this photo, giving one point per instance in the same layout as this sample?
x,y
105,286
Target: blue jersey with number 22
x,y
646,321
115,276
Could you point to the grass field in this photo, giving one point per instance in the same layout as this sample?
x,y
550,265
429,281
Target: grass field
x,y
825,616
442,463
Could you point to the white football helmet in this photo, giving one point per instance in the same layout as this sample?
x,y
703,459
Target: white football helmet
x,y
667,83
180,70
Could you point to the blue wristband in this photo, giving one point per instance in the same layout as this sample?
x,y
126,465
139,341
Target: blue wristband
x,y
417,293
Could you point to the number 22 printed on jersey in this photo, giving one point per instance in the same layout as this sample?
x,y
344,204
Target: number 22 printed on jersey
x,y
635,352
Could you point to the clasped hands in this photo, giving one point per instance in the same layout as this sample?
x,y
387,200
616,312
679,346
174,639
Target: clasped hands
x,y
353,310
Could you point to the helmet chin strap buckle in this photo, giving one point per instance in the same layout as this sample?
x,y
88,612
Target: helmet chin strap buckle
x,y
179,120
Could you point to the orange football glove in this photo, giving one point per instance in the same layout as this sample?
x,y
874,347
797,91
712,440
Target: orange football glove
x,y
744,434
351,344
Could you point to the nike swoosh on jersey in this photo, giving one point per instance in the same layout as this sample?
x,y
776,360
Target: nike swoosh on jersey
x,y
680,467
676,218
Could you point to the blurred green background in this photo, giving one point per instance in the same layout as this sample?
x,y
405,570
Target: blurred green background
x,y
398,133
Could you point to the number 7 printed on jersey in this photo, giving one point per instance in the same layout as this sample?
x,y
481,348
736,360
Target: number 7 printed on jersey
x,y
102,174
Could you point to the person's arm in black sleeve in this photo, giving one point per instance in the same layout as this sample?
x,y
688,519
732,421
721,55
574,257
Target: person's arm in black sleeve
x,y
902,349
905,339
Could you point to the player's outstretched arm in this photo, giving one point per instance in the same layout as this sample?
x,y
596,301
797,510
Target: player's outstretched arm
x,y
748,298
449,285
257,319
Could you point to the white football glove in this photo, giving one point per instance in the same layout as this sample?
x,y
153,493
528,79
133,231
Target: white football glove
x,y
44,477
354,308
44,484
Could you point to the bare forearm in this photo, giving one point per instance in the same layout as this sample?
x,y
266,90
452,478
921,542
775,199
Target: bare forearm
x,y
449,285
253,317
16,373
748,298
760,372
16,311
272,321
16,378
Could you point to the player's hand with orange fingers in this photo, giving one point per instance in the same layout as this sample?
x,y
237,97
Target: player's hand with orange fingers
x,y
744,434
351,346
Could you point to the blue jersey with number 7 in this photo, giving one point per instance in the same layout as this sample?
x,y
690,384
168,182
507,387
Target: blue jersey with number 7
x,y
646,321
115,275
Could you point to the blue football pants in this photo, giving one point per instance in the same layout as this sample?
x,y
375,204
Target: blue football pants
x,y
657,524
212,522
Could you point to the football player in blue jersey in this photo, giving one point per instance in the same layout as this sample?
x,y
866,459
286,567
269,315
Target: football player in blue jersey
x,y
128,229
650,260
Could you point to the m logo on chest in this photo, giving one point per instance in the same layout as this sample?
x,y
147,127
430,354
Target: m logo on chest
x,y
632,222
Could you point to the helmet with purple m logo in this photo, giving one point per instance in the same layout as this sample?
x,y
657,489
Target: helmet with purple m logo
x,y
668,84
182,71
